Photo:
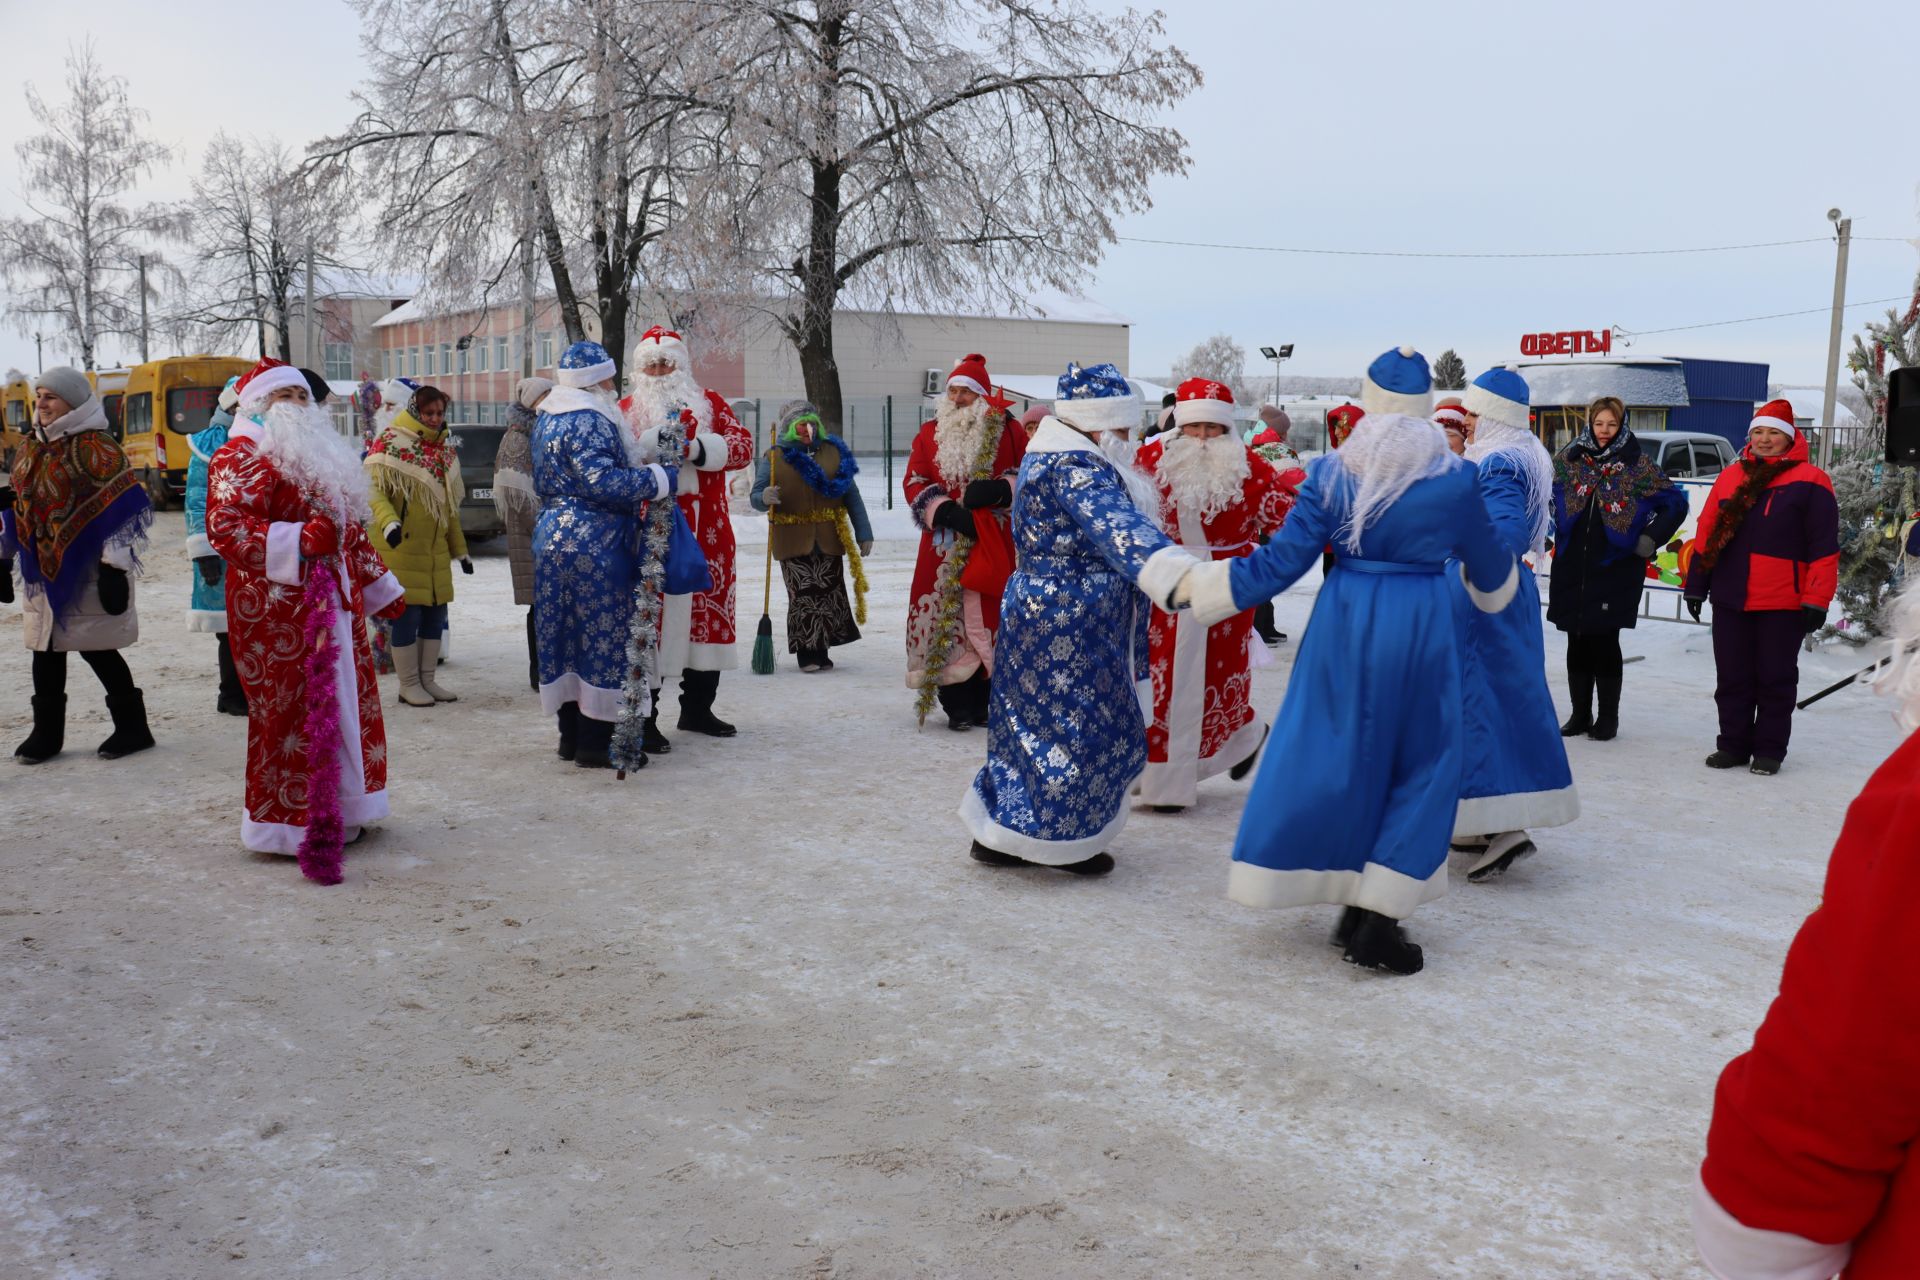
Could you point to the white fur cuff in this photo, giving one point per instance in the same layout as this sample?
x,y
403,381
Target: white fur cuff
x,y
659,474
1497,599
1211,588
198,546
714,457
1732,1249
382,592
1160,576
283,553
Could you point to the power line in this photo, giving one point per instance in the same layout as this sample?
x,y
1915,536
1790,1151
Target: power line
x,y
1397,253
1778,315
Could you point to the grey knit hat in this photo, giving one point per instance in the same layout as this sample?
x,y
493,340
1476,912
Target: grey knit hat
x,y
69,384
791,412
529,391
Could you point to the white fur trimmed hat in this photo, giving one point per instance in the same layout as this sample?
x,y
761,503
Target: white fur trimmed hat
x,y
1202,400
1398,381
660,343
1500,395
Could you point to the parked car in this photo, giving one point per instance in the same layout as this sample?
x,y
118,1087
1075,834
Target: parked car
x,y
1688,455
476,446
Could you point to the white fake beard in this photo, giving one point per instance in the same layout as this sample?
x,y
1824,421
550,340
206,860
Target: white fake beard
x,y
1206,476
1901,680
658,400
299,440
1141,487
957,436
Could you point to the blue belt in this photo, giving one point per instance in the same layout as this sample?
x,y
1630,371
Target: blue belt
x,y
1385,566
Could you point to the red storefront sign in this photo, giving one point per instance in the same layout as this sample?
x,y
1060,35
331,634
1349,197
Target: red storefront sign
x,y
1571,342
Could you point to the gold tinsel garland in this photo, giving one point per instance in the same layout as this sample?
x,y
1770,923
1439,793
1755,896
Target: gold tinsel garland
x,y
946,587
843,527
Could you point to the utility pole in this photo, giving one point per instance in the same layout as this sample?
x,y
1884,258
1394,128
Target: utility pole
x,y
39,358
1844,231
308,342
144,357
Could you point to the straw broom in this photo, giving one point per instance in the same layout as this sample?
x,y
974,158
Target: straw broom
x,y
763,637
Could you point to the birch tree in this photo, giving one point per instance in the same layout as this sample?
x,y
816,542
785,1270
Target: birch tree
x,y
494,131
74,260
923,153
256,225
1219,358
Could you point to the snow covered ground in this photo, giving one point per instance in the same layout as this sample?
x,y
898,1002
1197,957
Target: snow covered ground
x,y
753,1012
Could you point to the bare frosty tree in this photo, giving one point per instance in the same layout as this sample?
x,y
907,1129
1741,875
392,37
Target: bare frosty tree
x,y
257,221
1219,358
1449,371
915,152
75,260
495,131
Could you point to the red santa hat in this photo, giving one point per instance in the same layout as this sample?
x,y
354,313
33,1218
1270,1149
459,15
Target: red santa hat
x,y
971,373
1777,414
660,343
266,378
1450,415
1202,400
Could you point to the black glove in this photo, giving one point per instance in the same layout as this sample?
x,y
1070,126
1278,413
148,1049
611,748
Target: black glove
x,y
987,493
466,565
116,593
1812,617
951,515
6,581
1694,604
696,453
209,567
394,534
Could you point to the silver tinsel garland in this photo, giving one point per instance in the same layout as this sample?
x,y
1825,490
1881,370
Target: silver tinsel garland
x,y
649,601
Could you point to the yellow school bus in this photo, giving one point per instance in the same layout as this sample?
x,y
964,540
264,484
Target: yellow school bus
x,y
111,386
16,415
164,402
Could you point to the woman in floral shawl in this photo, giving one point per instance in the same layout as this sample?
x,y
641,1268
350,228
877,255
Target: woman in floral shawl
x,y
1613,509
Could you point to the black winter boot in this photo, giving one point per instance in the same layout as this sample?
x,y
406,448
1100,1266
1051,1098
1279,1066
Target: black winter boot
x,y
1349,921
594,740
957,702
982,687
697,691
233,698
652,741
49,730
1606,725
569,718
1263,625
1098,865
1378,942
993,857
130,733
1580,685
1727,759
533,655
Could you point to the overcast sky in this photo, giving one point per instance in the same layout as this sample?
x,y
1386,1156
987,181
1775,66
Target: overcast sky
x,y
1410,127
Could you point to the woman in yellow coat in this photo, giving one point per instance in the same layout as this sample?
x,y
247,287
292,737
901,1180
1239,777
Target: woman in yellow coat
x,y
416,528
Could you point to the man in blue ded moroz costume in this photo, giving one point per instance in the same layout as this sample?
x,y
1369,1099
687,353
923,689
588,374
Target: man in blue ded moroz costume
x,y
1517,775
1066,735
1355,797
593,484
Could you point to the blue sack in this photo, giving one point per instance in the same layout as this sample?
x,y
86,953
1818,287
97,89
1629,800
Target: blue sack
x,y
687,571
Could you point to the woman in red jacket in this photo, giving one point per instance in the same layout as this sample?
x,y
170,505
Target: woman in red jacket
x,y
1767,553
1813,1158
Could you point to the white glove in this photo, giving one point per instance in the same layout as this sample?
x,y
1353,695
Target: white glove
x,y
771,495
1183,594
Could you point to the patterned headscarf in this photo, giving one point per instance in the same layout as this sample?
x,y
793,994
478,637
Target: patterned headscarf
x,y
74,497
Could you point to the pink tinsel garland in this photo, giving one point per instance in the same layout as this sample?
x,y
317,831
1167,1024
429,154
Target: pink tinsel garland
x,y
321,843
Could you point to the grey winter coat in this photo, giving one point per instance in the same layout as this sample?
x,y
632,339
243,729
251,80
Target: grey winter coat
x,y
514,499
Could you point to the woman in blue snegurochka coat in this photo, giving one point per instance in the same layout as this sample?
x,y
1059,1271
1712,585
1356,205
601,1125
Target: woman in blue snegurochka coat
x,y
1355,799
207,609
1066,733
1613,510
1517,774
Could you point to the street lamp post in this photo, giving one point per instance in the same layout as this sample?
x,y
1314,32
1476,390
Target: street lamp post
x,y
1277,354
1843,233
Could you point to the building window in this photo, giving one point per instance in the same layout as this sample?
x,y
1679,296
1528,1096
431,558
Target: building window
x,y
446,357
465,359
339,361
546,349
482,349
413,362
502,359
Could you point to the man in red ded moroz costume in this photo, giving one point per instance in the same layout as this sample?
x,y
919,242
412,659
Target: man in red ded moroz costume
x,y
959,485
287,508
1219,500
1813,1156
706,441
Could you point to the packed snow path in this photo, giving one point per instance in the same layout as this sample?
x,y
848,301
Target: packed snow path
x,y
754,1013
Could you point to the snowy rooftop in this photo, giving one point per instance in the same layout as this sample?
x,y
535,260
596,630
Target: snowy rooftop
x,y
1654,381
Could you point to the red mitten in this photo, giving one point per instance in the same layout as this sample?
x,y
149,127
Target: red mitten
x,y
319,537
393,610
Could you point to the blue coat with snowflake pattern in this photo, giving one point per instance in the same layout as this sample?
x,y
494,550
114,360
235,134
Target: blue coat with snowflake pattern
x,y
207,608
1066,737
